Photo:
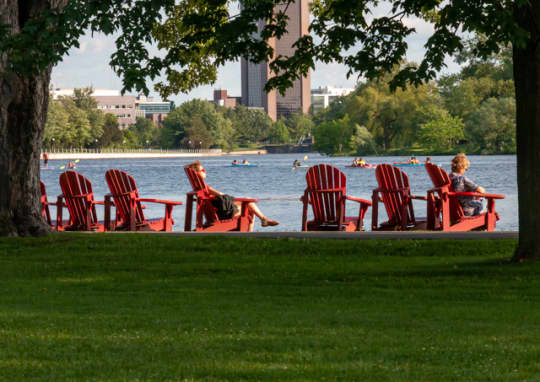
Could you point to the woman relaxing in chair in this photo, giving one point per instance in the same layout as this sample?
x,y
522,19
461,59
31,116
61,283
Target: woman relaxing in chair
x,y
471,205
265,222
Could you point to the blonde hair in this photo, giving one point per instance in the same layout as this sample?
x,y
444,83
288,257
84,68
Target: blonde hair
x,y
459,162
194,165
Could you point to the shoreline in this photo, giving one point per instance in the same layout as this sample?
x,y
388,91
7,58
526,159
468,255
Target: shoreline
x,y
149,155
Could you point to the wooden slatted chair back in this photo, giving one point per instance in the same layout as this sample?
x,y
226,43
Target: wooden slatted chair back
x,y
45,203
440,179
79,197
395,191
124,191
204,206
197,181
326,188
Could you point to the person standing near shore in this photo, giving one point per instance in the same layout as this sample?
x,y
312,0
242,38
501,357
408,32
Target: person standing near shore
x,y
45,160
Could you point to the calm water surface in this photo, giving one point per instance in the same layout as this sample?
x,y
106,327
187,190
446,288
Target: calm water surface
x,y
279,188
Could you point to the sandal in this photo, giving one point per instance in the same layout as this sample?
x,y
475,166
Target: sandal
x,y
269,223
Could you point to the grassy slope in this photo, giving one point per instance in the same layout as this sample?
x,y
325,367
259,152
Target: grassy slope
x,y
165,308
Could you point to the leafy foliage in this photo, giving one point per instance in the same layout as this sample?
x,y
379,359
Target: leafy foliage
x,y
69,126
278,133
467,111
334,137
492,127
442,132
195,119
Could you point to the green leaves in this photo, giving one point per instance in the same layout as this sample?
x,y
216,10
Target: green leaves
x,y
195,37
442,131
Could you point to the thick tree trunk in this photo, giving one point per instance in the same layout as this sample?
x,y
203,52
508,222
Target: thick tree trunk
x,y
23,110
527,84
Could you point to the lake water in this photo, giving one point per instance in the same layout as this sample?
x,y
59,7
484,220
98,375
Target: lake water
x,y
279,188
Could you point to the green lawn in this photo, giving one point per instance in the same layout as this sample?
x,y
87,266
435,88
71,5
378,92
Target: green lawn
x,y
77,307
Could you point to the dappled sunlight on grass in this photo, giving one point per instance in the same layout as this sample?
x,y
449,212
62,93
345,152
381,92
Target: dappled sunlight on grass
x,y
164,308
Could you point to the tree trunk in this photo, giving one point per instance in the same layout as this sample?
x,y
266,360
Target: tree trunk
x,y
527,83
23,110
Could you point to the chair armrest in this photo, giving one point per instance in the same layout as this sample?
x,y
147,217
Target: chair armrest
x,y
418,197
398,190
160,201
99,202
325,190
488,196
246,200
358,200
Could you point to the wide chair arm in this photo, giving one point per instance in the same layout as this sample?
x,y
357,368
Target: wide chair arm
x,y
364,205
478,194
324,190
358,200
394,191
171,202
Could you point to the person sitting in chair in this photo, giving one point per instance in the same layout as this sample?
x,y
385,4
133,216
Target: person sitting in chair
x,y
471,205
265,222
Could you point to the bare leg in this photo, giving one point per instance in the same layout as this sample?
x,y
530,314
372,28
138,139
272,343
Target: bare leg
x,y
254,209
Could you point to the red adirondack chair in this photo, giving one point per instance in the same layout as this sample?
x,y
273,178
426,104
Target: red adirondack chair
x,y
206,218
129,210
394,191
326,192
447,212
45,209
78,196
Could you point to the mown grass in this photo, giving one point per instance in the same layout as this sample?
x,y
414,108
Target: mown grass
x,y
165,308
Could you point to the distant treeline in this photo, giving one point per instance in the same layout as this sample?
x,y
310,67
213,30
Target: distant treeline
x,y
197,124
471,111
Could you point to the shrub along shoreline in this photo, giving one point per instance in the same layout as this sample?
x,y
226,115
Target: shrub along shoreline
x,y
170,308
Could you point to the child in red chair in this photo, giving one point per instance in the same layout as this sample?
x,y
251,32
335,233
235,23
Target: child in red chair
x,y
471,205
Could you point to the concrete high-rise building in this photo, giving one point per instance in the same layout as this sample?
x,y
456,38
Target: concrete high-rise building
x,y
254,76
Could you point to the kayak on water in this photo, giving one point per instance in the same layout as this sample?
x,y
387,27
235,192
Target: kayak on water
x,y
407,164
367,165
245,165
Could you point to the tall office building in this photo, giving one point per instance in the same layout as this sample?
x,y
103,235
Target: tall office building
x,y
254,76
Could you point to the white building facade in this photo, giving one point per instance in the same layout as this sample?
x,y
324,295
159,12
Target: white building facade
x,y
323,96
